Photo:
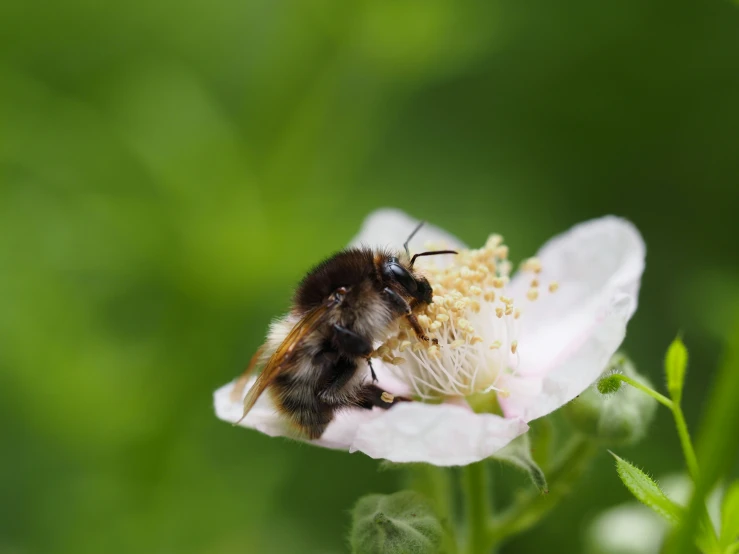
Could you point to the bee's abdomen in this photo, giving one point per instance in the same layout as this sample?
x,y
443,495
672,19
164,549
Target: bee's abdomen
x,y
301,404
310,397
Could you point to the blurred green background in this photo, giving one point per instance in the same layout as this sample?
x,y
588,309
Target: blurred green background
x,y
169,170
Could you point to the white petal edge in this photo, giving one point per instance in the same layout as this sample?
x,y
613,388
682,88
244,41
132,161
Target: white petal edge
x,y
390,227
593,263
567,337
574,374
442,435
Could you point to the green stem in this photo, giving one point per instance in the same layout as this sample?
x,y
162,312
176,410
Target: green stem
x,y
682,430
645,389
688,451
533,507
691,461
475,485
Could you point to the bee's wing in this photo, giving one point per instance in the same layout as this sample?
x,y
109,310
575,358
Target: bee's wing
x,y
282,357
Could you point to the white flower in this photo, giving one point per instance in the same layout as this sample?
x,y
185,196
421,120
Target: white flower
x,y
536,340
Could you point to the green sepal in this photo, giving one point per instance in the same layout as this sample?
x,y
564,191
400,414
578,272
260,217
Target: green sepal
x,y
676,363
617,419
646,490
518,453
403,522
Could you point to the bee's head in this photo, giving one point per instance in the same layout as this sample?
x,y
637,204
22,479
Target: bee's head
x,y
414,285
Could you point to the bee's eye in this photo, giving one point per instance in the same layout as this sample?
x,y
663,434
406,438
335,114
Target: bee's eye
x,y
402,276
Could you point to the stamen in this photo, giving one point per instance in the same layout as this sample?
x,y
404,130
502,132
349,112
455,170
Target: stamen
x,y
473,319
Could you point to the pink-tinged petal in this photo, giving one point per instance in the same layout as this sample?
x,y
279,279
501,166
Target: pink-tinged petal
x,y
567,337
389,228
593,263
264,418
442,434
534,396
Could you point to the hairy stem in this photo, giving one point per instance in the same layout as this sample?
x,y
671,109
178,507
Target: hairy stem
x,y
662,399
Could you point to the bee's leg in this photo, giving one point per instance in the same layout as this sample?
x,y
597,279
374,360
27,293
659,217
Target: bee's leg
x,y
406,309
336,371
372,395
372,369
237,392
351,343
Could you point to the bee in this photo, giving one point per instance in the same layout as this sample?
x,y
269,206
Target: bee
x,y
342,307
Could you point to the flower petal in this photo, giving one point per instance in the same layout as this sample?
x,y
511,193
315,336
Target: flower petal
x,y
443,435
534,396
265,418
389,228
567,337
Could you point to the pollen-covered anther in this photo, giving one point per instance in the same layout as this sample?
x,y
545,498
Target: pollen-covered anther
x,y
470,324
493,241
532,295
553,286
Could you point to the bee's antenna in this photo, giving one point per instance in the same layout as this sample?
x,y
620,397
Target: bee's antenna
x,y
432,253
413,233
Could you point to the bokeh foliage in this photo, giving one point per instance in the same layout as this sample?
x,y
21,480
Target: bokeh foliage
x,y
168,170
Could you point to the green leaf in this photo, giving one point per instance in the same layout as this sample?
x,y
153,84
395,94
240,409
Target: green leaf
x,y
403,522
646,490
518,454
730,516
676,362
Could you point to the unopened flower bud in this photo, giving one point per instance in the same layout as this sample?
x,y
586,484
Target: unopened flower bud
x,y
394,524
613,412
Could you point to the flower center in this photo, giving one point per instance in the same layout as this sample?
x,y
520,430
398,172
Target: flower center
x,y
475,323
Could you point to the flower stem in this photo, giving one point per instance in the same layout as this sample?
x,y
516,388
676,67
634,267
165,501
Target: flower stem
x,y
688,451
645,389
475,485
682,430
534,506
